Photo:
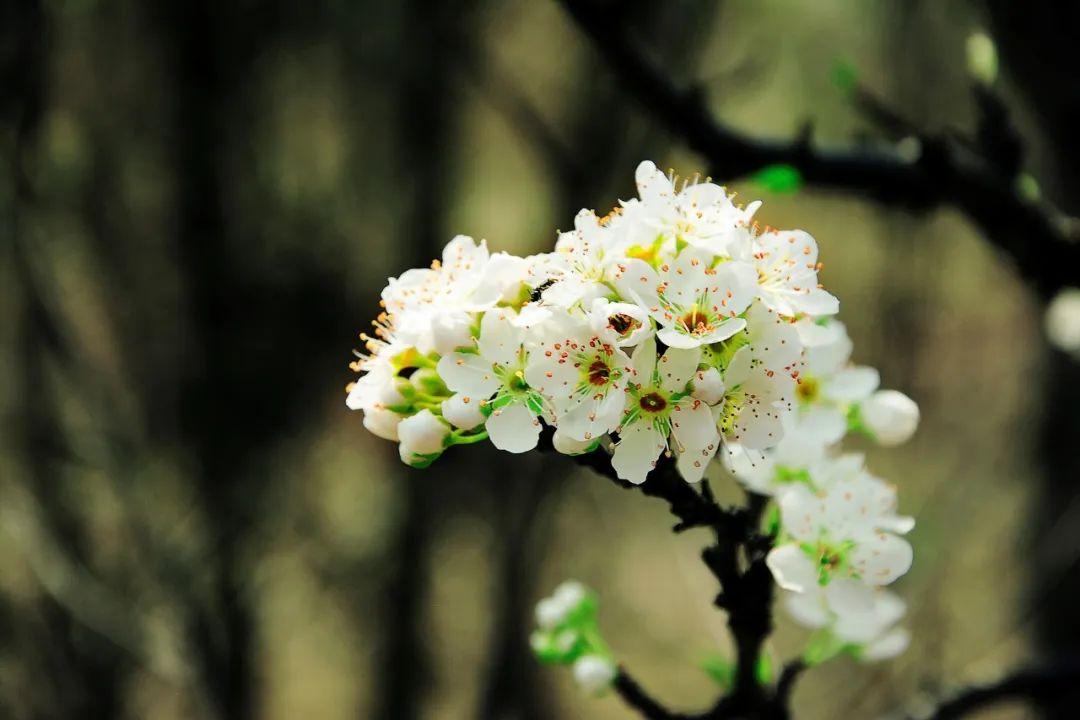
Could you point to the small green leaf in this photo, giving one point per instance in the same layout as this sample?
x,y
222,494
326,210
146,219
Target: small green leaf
x,y
779,178
844,76
720,669
765,669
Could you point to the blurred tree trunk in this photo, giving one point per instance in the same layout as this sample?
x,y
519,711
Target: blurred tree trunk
x,y
1037,42
428,110
76,672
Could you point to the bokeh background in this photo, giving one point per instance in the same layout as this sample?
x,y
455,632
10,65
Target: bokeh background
x,y
201,202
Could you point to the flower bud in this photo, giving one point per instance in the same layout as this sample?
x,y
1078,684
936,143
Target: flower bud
x,y
427,381
382,423
891,416
708,386
462,411
422,434
594,674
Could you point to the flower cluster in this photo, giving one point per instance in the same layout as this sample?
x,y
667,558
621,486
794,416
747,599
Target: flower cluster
x,y
667,326
839,537
672,326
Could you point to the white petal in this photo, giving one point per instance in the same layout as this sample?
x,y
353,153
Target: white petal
x,y
847,596
738,370
881,558
463,411
696,438
675,338
637,281
852,384
817,302
422,433
643,362
568,445
807,608
640,444
791,568
513,428
677,367
801,513
468,373
500,339
708,386
887,646
382,423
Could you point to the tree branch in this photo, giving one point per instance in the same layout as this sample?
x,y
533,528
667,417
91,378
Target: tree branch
x,y
1036,684
1037,239
639,699
737,560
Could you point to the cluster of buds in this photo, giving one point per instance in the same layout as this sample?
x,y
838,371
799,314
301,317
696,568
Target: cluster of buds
x,y
567,634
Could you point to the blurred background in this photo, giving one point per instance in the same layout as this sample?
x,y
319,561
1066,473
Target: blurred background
x,y
200,203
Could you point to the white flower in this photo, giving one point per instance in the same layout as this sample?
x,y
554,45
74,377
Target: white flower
x,y
496,370
431,308
700,215
575,273
626,323
846,529
376,390
583,376
891,416
594,674
787,268
830,388
758,381
658,406
693,302
855,615
421,435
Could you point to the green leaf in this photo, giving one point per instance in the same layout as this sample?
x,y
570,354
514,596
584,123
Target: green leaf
x,y
720,669
779,178
844,76
765,669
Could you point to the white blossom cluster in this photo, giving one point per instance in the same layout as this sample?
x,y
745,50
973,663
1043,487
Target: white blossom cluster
x,y
840,540
672,325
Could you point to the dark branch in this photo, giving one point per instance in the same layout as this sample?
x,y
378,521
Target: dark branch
x,y
636,697
737,560
1037,239
1037,684
786,684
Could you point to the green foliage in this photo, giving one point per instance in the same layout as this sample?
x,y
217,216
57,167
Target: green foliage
x,y
779,178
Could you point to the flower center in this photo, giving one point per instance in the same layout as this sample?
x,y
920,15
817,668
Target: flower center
x,y
653,402
516,382
623,324
807,389
695,322
599,373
